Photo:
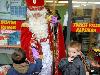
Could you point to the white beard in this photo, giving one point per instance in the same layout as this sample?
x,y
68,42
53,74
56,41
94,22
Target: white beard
x,y
39,27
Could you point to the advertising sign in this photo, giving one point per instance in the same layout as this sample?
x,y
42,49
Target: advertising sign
x,y
10,33
85,27
12,10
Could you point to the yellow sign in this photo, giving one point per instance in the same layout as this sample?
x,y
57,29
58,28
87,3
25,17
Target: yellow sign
x,y
96,49
85,27
7,22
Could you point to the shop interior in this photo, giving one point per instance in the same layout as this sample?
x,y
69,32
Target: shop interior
x,y
83,11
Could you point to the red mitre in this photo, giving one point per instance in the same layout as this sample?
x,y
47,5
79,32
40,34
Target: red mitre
x,y
35,4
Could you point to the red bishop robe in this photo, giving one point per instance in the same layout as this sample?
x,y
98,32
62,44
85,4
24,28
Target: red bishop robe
x,y
26,36
25,42
60,50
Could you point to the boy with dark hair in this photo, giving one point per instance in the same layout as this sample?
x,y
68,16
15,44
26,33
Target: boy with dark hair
x,y
18,56
72,65
21,66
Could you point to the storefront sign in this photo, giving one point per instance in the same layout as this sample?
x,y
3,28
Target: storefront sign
x,y
85,27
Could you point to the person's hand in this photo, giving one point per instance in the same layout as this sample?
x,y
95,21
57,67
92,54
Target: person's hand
x,y
24,25
70,59
41,56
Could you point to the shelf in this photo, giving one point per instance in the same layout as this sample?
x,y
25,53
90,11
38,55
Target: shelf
x,y
8,46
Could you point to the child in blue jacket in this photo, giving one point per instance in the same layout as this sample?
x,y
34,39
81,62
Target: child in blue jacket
x,y
22,67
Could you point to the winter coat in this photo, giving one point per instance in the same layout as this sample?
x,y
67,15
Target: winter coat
x,y
33,69
72,68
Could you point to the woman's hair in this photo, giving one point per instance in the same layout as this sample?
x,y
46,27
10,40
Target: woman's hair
x,y
18,56
75,44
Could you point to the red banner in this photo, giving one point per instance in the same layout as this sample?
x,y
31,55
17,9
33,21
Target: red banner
x,y
85,27
10,25
35,3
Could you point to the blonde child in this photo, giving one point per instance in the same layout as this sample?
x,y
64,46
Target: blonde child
x,y
72,65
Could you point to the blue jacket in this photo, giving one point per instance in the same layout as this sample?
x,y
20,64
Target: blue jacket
x,y
33,69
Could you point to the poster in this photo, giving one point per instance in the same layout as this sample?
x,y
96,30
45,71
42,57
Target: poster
x,y
10,33
12,10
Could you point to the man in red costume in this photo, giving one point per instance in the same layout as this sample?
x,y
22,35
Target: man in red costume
x,y
37,32
27,37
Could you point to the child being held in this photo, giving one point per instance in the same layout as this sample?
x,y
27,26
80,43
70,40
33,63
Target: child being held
x,y
73,64
22,67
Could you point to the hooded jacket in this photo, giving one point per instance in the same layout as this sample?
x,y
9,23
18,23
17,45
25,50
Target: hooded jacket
x,y
74,68
29,69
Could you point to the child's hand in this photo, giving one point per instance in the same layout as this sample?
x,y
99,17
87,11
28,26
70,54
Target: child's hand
x,y
41,56
70,59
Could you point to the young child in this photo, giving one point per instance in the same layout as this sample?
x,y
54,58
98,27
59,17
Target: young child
x,y
72,65
21,66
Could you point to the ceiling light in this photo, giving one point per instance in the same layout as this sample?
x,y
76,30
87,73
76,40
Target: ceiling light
x,y
75,6
74,2
62,1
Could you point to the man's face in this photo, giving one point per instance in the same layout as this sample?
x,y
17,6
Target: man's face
x,y
72,52
36,15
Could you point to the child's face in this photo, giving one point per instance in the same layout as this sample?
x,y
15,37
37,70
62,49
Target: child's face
x,y
72,52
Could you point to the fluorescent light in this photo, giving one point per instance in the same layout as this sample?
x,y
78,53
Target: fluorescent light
x,y
62,1
49,1
78,2
76,6
94,2
74,2
57,4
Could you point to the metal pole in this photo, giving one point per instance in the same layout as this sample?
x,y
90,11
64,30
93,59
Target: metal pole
x,y
69,25
69,21
54,7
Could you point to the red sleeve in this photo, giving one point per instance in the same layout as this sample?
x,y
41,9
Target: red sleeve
x,y
60,48
39,47
60,43
25,42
